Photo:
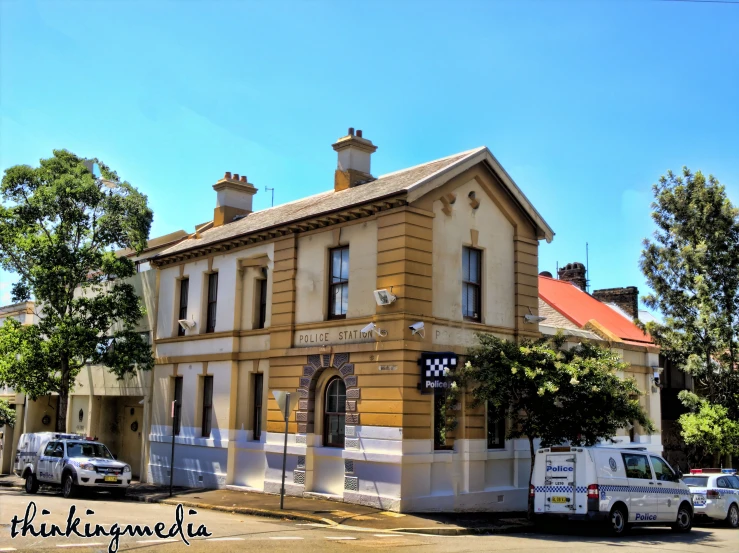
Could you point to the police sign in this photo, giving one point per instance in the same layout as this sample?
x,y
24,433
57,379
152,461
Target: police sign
x,y
435,366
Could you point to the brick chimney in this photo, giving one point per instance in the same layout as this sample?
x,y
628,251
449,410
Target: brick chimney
x,y
353,166
574,273
234,197
626,298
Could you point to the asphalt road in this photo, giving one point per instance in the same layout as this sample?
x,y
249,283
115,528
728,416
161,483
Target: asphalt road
x,y
231,532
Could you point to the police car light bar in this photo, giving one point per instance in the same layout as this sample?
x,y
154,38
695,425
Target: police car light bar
x,y
728,471
696,471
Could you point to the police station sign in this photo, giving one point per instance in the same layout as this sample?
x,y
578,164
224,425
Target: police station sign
x,y
435,367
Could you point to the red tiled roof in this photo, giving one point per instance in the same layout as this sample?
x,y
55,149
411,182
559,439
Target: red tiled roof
x,y
580,307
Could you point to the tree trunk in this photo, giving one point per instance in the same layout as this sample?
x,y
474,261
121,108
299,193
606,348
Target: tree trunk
x,y
61,407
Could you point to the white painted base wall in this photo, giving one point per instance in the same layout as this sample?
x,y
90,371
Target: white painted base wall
x,y
378,468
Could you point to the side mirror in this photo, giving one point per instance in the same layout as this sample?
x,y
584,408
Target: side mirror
x,y
679,474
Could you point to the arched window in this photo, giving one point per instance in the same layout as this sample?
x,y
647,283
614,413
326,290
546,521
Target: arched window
x,y
334,413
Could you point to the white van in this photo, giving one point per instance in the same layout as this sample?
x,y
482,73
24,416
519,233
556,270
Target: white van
x,y
621,487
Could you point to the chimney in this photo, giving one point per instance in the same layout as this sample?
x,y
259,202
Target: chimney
x,y
626,298
574,273
234,197
353,167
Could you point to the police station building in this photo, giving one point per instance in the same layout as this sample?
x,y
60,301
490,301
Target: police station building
x,y
356,299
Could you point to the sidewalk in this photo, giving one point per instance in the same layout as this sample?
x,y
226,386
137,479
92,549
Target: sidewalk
x,y
324,511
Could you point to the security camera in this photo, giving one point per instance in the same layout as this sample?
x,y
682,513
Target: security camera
x,y
656,376
185,324
372,327
417,328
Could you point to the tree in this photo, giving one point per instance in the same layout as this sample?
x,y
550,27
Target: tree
x,y
708,426
691,266
547,391
59,225
7,414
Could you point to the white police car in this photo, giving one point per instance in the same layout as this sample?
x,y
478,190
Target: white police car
x,y
73,463
622,487
715,494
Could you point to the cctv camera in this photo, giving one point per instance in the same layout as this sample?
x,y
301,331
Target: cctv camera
x,y
369,328
185,324
418,328
531,319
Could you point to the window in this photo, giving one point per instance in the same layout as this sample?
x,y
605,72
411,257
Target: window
x,y
338,293
334,413
258,381
49,451
496,428
182,314
722,482
210,325
733,481
471,280
207,405
262,300
178,406
58,450
637,466
662,470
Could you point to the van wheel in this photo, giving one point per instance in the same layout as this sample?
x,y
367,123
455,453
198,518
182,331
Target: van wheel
x,y
68,488
31,483
618,521
732,519
684,521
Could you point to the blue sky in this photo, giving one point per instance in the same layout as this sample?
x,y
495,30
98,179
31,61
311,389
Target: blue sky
x,y
585,103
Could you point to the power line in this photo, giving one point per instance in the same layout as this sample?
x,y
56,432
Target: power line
x,y
703,1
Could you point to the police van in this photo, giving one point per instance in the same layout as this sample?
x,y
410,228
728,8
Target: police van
x,y
620,487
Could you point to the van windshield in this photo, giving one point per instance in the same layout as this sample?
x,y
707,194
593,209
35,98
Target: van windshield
x,y
698,481
88,449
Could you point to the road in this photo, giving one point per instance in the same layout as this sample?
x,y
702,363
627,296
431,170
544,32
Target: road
x,y
230,532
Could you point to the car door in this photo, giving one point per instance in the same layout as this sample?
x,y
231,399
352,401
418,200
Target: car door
x,y
58,462
668,495
43,463
642,488
726,492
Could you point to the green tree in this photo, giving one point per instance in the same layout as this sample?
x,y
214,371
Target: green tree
x,y
547,391
7,414
708,426
691,266
59,227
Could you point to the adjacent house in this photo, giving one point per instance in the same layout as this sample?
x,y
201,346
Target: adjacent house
x,y
356,299
606,317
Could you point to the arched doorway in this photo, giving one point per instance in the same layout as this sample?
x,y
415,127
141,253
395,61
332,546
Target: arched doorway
x,y
334,415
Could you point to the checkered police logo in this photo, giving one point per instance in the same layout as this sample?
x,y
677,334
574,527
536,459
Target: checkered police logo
x,y
434,370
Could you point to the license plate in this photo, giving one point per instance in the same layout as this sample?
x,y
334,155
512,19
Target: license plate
x,y
111,479
699,500
559,500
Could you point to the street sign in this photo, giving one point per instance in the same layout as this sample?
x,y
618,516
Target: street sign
x,y
286,401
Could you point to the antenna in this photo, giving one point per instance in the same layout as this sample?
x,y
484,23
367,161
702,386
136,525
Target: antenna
x,y
267,189
587,270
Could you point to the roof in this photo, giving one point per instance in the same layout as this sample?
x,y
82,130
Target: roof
x,y
581,308
414,181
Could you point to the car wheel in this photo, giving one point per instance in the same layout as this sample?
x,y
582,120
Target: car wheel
x,y
618,521
732,519
31,483
68,487
684,521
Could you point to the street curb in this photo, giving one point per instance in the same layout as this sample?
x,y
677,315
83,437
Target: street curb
x,y
458,531
290,515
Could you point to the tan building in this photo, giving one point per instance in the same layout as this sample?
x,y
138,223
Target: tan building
x,y
284,299
114,411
